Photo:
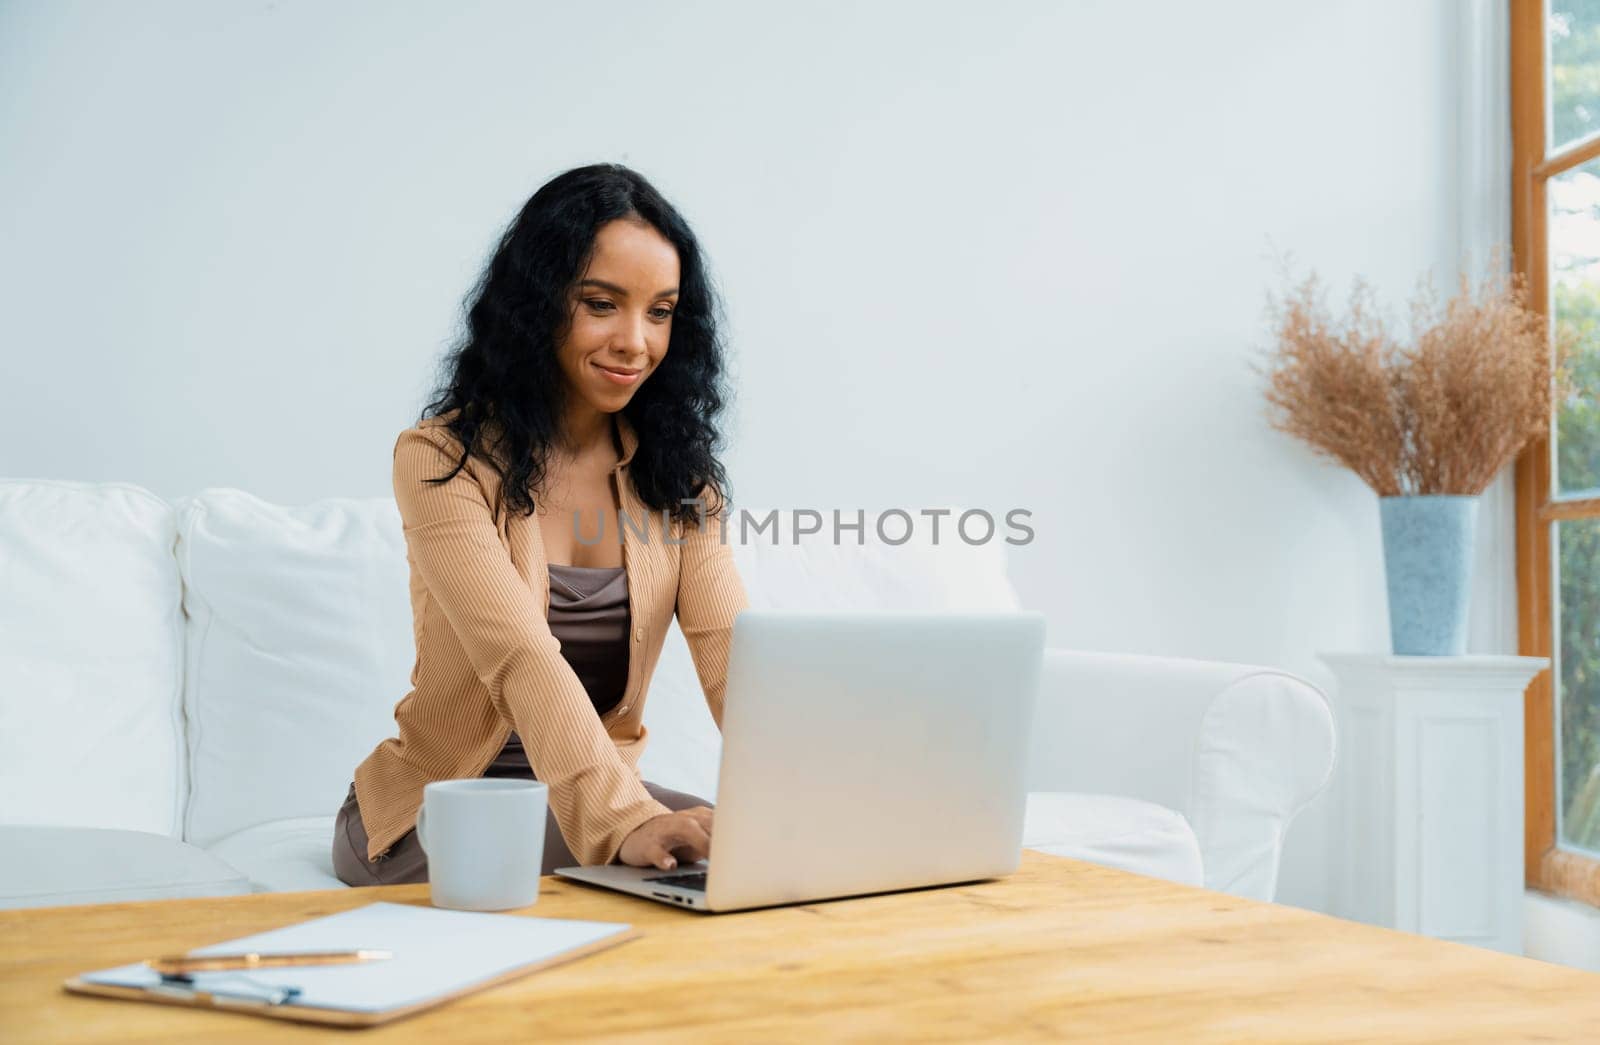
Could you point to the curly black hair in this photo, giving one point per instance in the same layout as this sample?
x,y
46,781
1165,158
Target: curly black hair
x,y
504,389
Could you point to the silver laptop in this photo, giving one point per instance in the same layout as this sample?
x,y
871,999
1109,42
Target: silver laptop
x,y
862,752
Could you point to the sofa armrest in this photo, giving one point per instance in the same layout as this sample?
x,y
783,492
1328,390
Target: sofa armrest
x,y
1237,749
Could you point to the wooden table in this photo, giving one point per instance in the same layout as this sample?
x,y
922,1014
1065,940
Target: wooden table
x,y
1060,950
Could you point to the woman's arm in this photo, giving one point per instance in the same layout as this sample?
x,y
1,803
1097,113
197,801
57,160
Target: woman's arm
x,y
595,797
710,595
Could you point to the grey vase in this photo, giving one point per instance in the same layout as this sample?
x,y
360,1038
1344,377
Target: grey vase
x,y
1427,565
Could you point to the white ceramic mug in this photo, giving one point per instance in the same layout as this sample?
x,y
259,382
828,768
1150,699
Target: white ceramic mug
x,y
485,842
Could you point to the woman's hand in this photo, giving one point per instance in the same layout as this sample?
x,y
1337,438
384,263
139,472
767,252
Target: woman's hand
x,y
666,840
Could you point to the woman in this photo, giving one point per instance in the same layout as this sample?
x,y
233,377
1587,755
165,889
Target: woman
x,y
561,501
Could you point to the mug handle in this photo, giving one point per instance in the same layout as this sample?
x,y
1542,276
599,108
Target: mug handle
x,y
422,820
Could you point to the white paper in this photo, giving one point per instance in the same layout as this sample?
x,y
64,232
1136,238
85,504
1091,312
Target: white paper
x,y
436,952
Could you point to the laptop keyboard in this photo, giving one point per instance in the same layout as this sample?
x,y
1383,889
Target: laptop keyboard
x,y
690,880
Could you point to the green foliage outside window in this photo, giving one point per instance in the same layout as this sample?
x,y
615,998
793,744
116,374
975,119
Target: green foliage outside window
x,y
1574,35
1577,456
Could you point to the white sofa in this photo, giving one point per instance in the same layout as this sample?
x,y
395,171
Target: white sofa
x,y
186,688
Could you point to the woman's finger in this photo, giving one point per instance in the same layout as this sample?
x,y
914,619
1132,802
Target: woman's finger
x,y
692,837
661,857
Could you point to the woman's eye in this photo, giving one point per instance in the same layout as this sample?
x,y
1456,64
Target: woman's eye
x,y
601,305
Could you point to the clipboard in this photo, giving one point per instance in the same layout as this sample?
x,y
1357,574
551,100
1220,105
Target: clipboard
x,y
439,956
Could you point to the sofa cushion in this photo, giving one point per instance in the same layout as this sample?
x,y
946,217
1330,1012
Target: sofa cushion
x,y
295,855
300,645
91,657
1136,836
300,640
1142,837
284,856
55,866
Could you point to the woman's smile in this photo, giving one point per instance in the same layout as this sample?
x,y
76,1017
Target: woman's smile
x,y
620,375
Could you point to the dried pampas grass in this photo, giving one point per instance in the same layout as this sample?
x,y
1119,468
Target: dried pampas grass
x,y
1442,416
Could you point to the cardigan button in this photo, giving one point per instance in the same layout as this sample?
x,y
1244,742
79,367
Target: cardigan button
x,y
638,634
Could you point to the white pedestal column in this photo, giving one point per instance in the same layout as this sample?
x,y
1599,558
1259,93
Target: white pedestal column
x,y
1430,788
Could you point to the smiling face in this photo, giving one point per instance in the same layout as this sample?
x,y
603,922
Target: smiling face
x,y
621,317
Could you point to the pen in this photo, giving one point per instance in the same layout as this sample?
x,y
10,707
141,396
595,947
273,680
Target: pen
x,y
174,964
242,992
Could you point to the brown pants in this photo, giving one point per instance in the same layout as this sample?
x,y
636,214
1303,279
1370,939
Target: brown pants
x,y
405,862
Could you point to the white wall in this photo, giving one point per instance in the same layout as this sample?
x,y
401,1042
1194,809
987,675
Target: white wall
x,y
1008,255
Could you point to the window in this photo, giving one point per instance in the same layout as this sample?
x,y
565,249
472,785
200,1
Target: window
x,y
1555,114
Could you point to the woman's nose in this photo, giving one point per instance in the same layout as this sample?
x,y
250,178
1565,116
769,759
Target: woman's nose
x,y
631,338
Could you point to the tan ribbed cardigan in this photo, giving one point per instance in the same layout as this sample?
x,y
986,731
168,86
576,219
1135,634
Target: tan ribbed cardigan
x,y
487,661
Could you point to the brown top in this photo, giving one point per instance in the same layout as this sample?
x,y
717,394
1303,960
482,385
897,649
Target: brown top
x,y
589,617
487,661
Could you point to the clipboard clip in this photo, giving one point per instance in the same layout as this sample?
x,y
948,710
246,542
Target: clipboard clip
x,y
238,990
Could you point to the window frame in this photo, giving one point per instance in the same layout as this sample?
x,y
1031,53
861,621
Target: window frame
x,y
1547,866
